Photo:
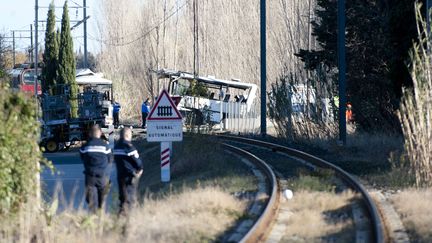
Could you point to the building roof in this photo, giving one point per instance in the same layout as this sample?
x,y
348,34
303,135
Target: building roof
x,y
86,76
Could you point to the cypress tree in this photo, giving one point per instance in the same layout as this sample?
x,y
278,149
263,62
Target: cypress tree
x,y
50,56
67,66
58,34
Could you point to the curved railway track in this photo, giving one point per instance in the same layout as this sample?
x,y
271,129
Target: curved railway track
x,y
263,224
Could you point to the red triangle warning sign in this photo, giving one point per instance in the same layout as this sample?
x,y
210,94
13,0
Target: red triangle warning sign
x,y
164,109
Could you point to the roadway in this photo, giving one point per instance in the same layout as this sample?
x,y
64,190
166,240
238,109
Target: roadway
x,y
67,182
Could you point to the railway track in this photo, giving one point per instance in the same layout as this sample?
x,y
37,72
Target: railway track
x,y
262,226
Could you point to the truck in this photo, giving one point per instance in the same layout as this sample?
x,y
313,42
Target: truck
x,y
95,106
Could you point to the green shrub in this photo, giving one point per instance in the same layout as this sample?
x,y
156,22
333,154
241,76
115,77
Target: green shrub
x,y
197,89
19,150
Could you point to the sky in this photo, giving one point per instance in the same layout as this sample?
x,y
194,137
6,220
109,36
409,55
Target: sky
x,y
19,14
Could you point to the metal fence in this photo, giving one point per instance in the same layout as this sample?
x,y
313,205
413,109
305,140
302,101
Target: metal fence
x,y
239,118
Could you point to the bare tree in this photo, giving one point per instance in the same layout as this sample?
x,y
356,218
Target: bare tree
x,y
137,35
4,50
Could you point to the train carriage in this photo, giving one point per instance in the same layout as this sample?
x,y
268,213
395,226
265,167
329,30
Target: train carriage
x,y
23,79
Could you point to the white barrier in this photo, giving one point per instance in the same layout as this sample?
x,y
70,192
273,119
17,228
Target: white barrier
x,y
239,119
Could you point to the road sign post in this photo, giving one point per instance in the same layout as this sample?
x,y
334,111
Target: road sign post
x,y
165,162
164,124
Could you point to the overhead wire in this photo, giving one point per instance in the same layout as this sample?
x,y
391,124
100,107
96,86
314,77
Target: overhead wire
x,y
134,33
77,4
144,34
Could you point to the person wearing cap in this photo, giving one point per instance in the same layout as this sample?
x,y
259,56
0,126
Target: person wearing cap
x,y
145,110
129,169
96,157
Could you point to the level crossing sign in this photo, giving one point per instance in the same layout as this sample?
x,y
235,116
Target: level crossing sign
x,y
165,125
164,109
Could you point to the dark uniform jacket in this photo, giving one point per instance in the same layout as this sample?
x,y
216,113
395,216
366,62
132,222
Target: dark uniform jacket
x,y
126,158
96,156
116,107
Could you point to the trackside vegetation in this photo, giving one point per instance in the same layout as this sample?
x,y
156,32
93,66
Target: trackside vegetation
x,y
50,56
19,150
67,65
416,107
205,199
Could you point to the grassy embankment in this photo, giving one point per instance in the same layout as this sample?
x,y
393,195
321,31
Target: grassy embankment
x,y
197,162
380,162
377,159
320,210
198,205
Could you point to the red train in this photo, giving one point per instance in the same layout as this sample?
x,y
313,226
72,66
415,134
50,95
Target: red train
x,y
23,77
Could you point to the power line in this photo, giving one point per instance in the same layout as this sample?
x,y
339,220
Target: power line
x,y
78,5
134,33
143,35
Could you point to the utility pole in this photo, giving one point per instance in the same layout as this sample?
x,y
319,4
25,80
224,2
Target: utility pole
x,y
342,69
196,37
36,52
13,47
263,68
85,33
309,76
31,43
14,37
37,178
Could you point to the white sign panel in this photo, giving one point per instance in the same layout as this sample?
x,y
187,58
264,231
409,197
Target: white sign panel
x,y
164,131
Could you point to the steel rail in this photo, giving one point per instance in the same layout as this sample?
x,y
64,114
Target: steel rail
x,y
259,230
378,227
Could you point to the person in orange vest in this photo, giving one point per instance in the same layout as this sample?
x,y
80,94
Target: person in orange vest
x,y
349,113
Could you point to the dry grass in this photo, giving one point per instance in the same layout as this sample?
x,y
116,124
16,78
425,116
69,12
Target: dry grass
x,y
362,146
414,208
188,217
416,109
197,161
319,216
191,216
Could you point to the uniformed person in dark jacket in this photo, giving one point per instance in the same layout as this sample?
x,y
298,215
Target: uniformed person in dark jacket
x,y
96,156
129,169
